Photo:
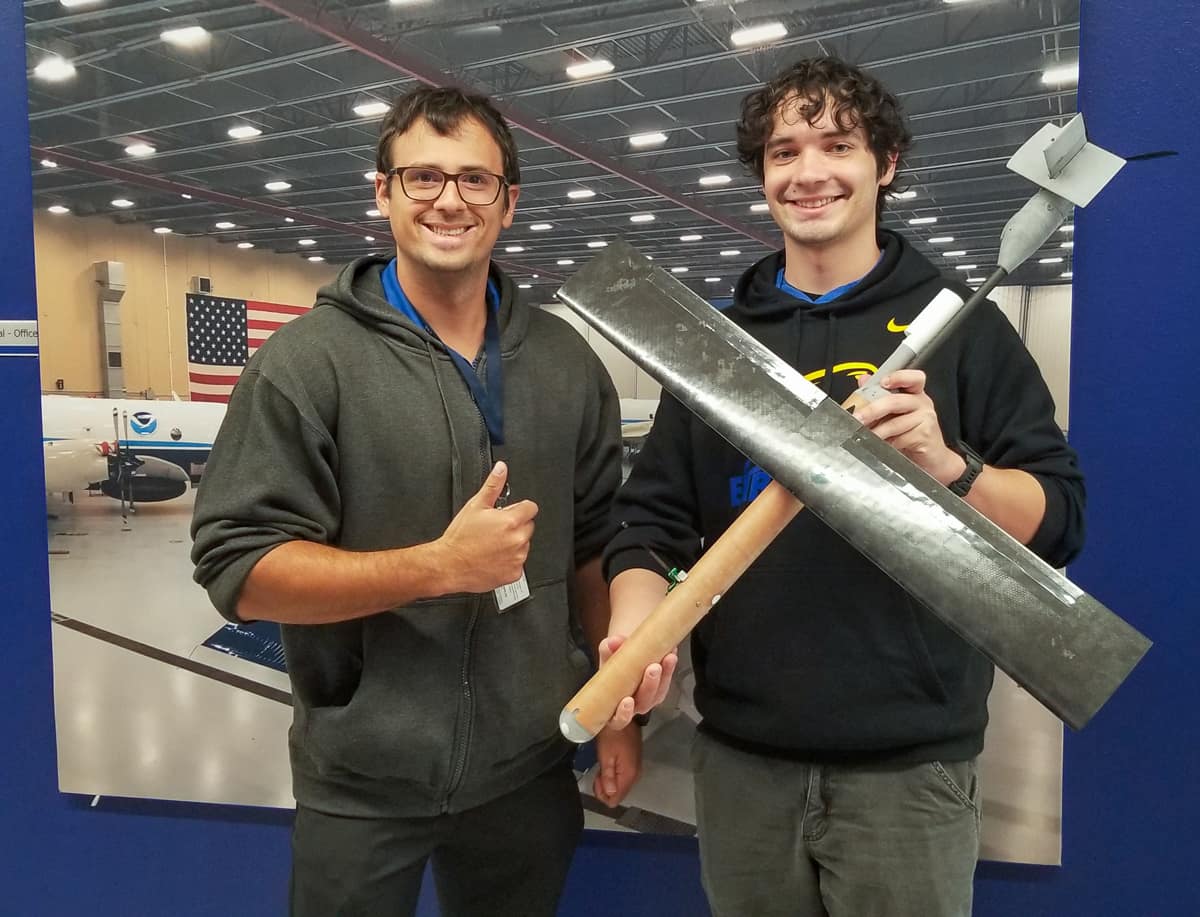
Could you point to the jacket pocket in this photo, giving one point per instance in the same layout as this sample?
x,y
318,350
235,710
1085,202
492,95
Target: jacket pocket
x,y
829,661
400,722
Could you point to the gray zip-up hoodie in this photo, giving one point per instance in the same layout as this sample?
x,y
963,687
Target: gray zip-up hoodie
x,y
351,427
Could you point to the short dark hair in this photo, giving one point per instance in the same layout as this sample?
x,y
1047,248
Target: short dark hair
x,y
856,97
445,109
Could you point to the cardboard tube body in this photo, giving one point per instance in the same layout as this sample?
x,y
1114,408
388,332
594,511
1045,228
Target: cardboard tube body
x,y
680,610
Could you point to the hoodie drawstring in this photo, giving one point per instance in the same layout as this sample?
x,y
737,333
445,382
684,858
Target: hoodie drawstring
x,y
456,489
830,349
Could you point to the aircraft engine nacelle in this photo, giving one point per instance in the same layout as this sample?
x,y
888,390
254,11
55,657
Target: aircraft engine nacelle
x,y
74,464
154,481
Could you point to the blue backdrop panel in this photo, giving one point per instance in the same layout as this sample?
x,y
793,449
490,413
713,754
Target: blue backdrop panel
x,y
1131,804
1130,821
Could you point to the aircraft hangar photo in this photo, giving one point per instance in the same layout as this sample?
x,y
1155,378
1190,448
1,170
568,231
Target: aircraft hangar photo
x,y
200,169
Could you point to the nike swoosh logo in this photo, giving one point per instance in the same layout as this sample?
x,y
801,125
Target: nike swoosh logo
x,y
894,328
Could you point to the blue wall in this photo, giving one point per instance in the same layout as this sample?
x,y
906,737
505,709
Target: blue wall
x,y
1131,808
1131,813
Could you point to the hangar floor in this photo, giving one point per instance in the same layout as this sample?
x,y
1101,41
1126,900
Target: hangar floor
x,y
142,708
145,710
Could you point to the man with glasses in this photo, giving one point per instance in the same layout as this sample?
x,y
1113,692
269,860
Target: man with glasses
x,y
374,489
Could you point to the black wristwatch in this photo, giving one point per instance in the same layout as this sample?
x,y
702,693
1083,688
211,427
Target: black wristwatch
x,y
974,466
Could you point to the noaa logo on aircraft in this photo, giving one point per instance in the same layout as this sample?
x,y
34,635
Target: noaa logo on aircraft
x,y
143,422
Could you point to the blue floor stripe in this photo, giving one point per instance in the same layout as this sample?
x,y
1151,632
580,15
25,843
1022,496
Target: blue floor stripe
x,y
258,642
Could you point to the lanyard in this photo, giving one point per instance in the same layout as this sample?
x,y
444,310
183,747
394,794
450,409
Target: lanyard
x,y
489,398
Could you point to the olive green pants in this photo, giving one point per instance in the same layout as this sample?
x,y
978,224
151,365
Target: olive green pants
x,y
786,839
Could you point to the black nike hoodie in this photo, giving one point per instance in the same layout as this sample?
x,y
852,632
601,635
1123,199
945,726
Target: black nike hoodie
x,y
815,653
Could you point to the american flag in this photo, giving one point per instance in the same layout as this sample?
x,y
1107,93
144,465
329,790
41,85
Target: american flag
x,y
222,335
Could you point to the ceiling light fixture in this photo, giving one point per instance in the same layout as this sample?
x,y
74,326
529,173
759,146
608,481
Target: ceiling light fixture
x,y
278,185
371,109
581,194
1066,75
162,230
122,202
243,131
651,139
584,69
54,69
710,180
140,149
642,218
58,208
922,221
187,37
759,34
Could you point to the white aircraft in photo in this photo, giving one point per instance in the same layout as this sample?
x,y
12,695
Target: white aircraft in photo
x,y
130,450
637,416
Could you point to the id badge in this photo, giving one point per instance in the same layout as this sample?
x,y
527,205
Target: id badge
x,y
512,594
517,592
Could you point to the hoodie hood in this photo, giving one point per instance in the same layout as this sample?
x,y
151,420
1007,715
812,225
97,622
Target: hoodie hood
x,y
358,290
899,270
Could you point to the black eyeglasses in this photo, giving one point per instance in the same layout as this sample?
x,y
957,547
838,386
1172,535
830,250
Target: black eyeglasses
x,y
425,183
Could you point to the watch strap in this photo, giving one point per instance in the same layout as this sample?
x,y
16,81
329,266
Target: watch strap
x,y
962,485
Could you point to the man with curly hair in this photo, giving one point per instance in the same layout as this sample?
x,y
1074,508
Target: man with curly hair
x,y
836,761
